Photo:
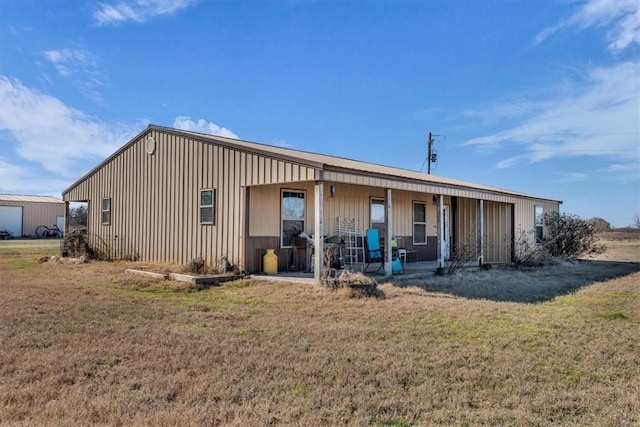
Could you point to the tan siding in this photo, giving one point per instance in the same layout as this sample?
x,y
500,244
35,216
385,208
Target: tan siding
x,y
430,188
466,221
155,198
35,214
498,231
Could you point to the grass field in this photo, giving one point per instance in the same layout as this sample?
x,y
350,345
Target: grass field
x,y
90,344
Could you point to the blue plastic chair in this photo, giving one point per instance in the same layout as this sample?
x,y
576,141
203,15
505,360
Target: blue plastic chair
x,y
374,252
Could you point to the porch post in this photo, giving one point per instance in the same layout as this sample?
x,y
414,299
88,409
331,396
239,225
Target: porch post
x,y
318,247
441,241
480,229
244,227
66,219
388,266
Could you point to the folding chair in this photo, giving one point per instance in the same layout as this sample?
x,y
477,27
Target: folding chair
x,y
374,252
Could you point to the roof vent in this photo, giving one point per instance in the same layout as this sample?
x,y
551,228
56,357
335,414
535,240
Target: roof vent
x,y
151,145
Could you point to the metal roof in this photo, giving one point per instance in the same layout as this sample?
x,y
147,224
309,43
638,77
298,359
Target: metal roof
x,y
28,198
354,165
320,161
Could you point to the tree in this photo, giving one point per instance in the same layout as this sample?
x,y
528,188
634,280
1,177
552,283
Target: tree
x,y
569,236
599,225
78,216
636,221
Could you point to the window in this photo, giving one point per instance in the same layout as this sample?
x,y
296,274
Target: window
x,y
539,221
419,223
207,206
106,211
292,216
377,215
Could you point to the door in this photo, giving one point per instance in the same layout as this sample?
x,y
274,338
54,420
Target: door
x,y
446,233
11,219
60,223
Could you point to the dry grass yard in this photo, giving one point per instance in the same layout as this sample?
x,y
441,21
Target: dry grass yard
x,y
89,344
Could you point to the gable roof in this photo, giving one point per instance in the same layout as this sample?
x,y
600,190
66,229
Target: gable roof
x,y
320,161
28,198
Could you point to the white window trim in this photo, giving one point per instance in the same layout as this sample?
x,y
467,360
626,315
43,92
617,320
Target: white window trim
x,y
537,225
283,218
103,210
212,206
426,237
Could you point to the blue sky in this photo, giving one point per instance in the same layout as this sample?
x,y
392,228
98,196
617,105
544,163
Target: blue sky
x,y
541,97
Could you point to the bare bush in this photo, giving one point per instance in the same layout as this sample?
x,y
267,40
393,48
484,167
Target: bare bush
x,y
569,236
526,253
196,266
353,283
80,243
462,255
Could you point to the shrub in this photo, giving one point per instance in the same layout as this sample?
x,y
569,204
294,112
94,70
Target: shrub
x,y
461,256
356,283
196,266
80,243
526,253
569,236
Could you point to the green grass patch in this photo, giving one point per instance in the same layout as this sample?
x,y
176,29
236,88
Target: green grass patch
x,y
21,263
616,315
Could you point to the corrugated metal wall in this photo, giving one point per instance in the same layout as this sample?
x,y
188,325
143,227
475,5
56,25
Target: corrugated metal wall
x,y
349,201
155,198
155,201
35,214
525,217
498,231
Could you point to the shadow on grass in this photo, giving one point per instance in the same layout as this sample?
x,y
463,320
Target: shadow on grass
x,y
524,285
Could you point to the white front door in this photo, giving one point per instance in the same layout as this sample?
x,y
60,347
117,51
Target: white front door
x,y
60,223
446,233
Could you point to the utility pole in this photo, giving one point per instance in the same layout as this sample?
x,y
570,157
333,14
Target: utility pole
x,y
431,156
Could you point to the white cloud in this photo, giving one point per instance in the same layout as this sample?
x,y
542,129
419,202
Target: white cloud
x,y
623,167
71,61
24,180
622,16
137,10
575,176
600,118
60,138
81,64
202,126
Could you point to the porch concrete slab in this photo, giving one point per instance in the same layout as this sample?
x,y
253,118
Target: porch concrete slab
x,y
413,269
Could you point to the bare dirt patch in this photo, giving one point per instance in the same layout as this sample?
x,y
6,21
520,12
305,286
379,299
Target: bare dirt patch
x,y
90,344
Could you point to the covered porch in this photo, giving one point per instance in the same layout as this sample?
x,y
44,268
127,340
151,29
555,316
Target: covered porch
x,y
431,227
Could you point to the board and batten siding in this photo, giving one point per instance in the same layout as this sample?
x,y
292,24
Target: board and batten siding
x,y
349,201
35,214
155,198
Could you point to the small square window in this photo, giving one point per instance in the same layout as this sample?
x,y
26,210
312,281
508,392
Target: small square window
x,y
106,211
207,206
